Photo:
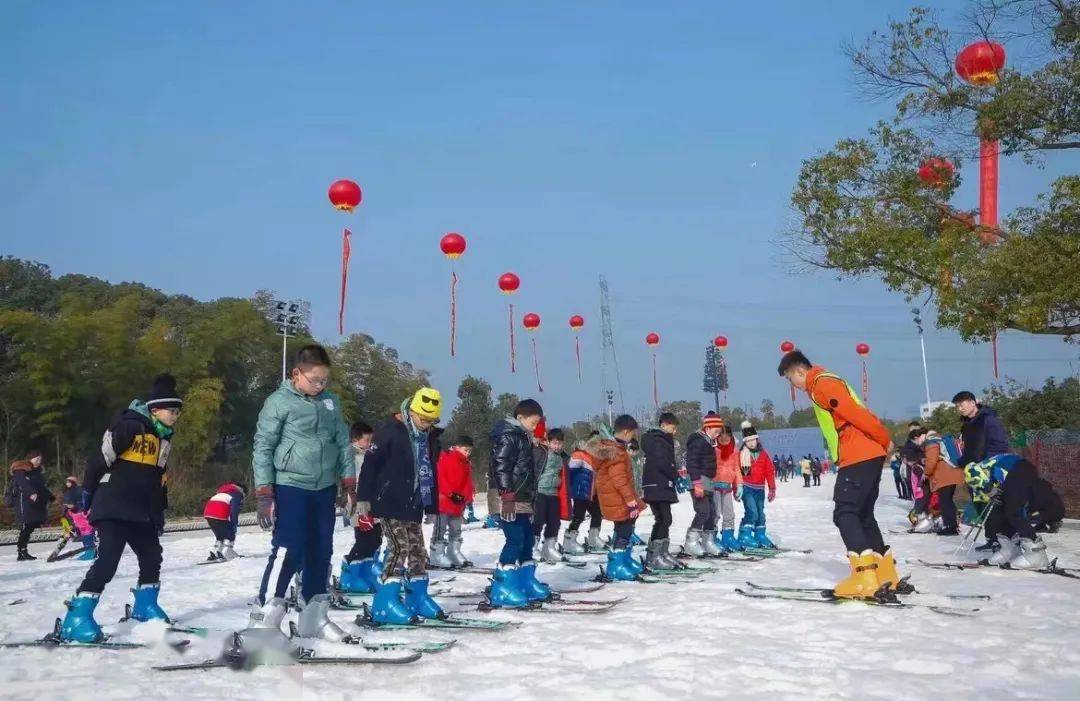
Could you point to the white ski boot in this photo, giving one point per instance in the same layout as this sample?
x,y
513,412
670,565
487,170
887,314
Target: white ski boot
x,y
939,523
1007,551
666,559
570,544
269,616
923,525
454,554
1032,555
226,550
692,546
708,544
593,542
550,553
437,556
314,621
215,552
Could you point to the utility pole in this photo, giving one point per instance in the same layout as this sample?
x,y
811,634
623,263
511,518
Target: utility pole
x,y
915,313
291,316
608,332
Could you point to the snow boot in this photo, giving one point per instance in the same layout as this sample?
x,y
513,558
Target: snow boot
x,y
708,544
505,592
762,539
269,616
636,564
215,552
923,525
421,603
1032,555
886,573
862,583
89,554
570,544
24,556
728,541
530,586
593,542
654,556
619,568
635,539
454,554
747,538
692,545
314,621
1007,551
437,555
388,607
146,605
551,551
492,521
79,625
227,551
353,579
666,560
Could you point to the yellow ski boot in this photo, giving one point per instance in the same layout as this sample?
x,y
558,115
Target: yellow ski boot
x,y
862,583
887,574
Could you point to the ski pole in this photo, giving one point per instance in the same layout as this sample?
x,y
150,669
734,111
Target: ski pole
x,y
976,527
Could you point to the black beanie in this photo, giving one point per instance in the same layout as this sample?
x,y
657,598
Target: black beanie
x,y
163,394
748,430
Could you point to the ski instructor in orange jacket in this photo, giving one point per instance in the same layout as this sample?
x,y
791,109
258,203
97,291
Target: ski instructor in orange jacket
x,y
858,443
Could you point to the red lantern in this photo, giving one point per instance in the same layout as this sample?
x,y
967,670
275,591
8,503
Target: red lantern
x,y
981,63
862,349
936,172
787,347
652,340
345,195
720,342
531,322
577,323
509,283
452,245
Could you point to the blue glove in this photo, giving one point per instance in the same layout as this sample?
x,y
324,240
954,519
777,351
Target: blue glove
x,y
682,485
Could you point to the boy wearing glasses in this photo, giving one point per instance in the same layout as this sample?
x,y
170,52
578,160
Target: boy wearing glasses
x,y
301,454
125,488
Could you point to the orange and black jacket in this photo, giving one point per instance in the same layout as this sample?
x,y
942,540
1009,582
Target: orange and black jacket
x,y
862,436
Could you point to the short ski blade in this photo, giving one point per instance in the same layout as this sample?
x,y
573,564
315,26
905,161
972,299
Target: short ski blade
x,y
451,623
104,644
763,587
304,659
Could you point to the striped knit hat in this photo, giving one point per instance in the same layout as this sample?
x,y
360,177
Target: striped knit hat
x,y
712,420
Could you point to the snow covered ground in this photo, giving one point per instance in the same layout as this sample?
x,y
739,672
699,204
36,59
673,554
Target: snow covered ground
x,y
694,639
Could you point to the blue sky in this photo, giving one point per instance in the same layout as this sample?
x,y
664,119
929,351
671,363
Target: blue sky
x,y
190,145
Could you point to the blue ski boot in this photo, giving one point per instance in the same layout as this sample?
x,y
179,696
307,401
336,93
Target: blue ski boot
x,y
354,579
89,554
619,568
635,539
533,588
146,606
762,539
492,521
421,603
505,592
79,625
470,514
635,564
728,541
388,608
747,539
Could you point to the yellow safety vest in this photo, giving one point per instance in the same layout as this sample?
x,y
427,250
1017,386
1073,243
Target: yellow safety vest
x,y
824,416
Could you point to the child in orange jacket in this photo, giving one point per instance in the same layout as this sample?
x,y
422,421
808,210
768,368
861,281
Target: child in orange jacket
x,y
454,477
727,488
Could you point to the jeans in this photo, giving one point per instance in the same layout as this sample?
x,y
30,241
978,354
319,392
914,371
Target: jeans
x,y
624,531
519,540
753,508
113,536
661,519
854,496
305,530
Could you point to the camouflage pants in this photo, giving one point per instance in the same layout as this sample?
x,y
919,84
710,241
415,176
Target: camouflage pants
x,y
405,541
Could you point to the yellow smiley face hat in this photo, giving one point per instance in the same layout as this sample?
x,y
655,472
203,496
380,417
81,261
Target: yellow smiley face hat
x,y
427,403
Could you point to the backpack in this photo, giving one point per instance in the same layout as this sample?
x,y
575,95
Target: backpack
x,y
951,449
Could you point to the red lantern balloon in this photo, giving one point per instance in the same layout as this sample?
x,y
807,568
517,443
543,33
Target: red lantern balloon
x,y
936,172
452,245
345,195
720,342
981,63
509,283
652,339
862,349
787,347
576,322
531,321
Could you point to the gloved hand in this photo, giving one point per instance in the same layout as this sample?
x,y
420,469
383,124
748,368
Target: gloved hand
x,y
699,491
264,501
508,506
364,520
772,495
737,493
634,510
457,498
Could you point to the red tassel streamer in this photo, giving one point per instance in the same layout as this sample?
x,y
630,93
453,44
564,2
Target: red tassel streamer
x,y
988,188
577,352
453,311
865,384
993,348
655,386
536,366
346,253
793,405
513,360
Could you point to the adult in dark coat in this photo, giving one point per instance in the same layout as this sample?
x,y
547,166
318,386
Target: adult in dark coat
x,y
31,499
983,433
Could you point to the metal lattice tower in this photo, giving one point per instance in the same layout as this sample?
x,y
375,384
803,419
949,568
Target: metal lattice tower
x,y
609,348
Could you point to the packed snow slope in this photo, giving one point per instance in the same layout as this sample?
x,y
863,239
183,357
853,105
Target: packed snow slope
x,y
689,640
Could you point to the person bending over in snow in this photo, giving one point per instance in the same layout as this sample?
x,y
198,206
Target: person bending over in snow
x,y
222,514
858,444
398,484
455,493
125,487
1008,484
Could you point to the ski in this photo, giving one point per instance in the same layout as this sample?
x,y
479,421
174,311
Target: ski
x,y
426,647
762,587
827,598
450,623
547,607
51,643
556,603
776,551
305,657
587,589
1052,569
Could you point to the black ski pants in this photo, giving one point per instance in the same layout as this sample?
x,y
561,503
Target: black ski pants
x,y
661,519
624,532
1009,518
113,536
223,530
948,508
582,507
546,519
25,532
365,544
854,496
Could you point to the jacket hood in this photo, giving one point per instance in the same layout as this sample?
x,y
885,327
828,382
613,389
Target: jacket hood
x,y
603,449
138,410
21,466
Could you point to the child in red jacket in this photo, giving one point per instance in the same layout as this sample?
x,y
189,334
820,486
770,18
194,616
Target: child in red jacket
x,y
454,477
222,513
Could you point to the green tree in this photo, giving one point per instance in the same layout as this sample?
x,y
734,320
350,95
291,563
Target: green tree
x,y
689,413
376,376
802,418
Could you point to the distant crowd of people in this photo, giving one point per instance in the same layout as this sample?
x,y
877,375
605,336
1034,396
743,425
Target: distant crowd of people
x,y
809,466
